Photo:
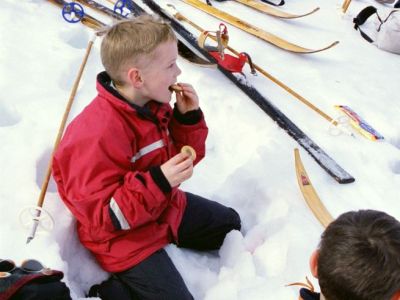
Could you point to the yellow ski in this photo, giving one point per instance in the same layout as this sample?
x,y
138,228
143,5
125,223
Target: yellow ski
x,y
310,195
262,34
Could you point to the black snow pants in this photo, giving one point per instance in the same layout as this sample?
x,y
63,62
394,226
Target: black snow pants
x,y
204,226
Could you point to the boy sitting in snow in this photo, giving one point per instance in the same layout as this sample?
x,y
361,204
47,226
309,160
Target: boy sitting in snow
x,y
119,166
358,258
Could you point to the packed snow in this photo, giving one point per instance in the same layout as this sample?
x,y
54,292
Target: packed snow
x,y
249,163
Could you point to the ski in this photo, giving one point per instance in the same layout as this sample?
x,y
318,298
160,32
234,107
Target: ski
x,y
318,154
253,30
310,195
266,9
360,124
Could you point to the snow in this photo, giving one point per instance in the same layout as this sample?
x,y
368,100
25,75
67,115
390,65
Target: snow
x,y
249,163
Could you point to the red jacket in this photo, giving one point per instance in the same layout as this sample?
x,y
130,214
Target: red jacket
x,y
107,170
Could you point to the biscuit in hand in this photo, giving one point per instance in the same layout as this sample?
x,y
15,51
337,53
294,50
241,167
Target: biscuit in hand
x,y
189,151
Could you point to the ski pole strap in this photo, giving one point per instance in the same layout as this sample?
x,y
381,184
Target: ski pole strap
x,y
307,285
307,292
201,41
228,62
221,36
250,61
362,17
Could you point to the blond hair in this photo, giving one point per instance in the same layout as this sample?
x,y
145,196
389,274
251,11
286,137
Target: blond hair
x,y
126,42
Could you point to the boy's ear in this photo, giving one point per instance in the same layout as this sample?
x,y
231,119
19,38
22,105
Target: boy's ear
x,y
314,263
135,77
396,296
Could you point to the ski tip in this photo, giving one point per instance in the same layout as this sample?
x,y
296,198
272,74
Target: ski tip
x,y
345,180
29,239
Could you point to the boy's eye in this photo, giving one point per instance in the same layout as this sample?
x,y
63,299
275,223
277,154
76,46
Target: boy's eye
x,y
171,65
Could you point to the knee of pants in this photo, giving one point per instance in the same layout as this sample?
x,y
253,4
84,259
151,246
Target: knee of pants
x,y
176,295
236,221
110,289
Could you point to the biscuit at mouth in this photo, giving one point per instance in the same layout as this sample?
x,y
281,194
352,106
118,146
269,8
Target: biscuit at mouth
x,y
175,88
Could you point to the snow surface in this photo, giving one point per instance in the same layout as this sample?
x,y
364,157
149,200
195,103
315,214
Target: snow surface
x,y
249,163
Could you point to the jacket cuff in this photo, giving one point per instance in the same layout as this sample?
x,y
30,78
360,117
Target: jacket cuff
x,y
160,179
189,118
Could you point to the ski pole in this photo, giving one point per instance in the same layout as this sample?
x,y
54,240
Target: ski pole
x,y
36,217
181,17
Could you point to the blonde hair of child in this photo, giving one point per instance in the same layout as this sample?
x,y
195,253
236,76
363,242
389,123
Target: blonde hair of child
x,y
128,42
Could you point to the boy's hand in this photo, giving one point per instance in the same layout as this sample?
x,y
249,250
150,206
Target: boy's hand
x,y
178,169
187,100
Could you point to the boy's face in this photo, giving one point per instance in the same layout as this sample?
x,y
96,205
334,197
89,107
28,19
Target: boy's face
x,y
160,73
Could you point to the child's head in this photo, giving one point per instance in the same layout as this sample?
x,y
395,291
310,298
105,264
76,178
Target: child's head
x,y
359,257
140,49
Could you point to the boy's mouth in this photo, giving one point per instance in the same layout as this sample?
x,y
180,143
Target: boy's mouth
x,y
174,88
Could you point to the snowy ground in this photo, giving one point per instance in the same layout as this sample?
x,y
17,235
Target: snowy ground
x,y
249,163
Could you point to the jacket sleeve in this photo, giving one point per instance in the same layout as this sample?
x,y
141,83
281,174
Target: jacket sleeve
x,y
96,182
189,129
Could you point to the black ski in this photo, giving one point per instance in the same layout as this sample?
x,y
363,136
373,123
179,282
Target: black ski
x,y
319,155
184,51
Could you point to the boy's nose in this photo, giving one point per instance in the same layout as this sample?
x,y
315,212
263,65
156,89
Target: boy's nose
x,y
178,71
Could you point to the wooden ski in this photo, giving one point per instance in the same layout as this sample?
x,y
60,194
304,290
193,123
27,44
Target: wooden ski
x,y
247,27
269,10
310,195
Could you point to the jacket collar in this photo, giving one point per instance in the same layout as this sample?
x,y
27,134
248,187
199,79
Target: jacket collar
x,y
105,88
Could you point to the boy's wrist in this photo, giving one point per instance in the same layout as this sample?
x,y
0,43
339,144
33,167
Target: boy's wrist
x,y
160,179
188,118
